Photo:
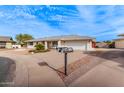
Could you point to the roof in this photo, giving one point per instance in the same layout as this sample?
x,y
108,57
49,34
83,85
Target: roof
x,y
62,37
119,39
102,44
5,38
121,35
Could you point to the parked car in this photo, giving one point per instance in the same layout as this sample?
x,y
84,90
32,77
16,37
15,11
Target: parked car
x,y
16,46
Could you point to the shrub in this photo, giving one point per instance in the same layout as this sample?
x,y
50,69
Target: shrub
x,y
112,45
97,46
40,47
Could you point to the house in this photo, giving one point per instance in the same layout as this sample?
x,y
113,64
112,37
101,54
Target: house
x,y
5,42
119,42
75,41
102,45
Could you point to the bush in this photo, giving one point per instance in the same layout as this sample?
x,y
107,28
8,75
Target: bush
x,y
40,47
112,45
97,46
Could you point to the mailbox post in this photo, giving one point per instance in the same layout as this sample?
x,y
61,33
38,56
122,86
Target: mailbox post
x,y
65,50
65,56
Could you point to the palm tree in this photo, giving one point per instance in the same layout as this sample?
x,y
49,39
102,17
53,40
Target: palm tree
x,y
21,38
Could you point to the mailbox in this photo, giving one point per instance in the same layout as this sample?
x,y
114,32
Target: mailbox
x,y
60,49
65,50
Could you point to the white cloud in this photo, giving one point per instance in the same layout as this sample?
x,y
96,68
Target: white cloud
x,y
86,13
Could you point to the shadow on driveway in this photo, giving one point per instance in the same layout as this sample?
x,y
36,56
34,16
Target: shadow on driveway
x,y
7,68
45,64
112,55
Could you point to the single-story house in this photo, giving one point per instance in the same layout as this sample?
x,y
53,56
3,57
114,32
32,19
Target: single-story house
x,y
5,42
119,42
102,45
75,41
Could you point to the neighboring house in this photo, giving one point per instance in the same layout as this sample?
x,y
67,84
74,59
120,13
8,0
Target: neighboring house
x,y
75,41
5,42
119,43
102,45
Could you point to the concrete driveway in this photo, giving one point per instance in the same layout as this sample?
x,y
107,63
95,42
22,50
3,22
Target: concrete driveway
x,y
105,67
109,73
56,59
30,73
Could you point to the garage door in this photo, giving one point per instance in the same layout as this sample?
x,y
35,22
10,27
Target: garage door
x,y
77,45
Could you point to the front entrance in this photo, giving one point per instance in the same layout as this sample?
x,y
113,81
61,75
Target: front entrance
x,y
52,44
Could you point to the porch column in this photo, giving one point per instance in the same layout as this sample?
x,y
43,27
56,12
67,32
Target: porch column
x,y
46,45
59,43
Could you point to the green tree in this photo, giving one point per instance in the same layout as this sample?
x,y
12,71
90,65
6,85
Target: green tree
x,y
21,38
108,42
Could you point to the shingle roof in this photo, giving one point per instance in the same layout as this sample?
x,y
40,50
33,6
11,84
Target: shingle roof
x,y
63,37
5,38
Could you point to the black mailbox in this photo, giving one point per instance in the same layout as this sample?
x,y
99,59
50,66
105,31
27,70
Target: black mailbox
x,y
60,49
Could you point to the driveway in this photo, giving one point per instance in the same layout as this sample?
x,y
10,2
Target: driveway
x,y
109,72
30,73
56,59
103,67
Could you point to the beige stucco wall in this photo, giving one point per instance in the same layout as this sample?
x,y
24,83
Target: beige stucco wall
x,y
119,43
8,45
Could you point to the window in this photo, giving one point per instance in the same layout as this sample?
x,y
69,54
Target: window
x,y
2,44
31,43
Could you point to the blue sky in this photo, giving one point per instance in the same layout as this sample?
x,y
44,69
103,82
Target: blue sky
x,y
102,22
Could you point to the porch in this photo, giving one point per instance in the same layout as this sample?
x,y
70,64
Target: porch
x,y
47,44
